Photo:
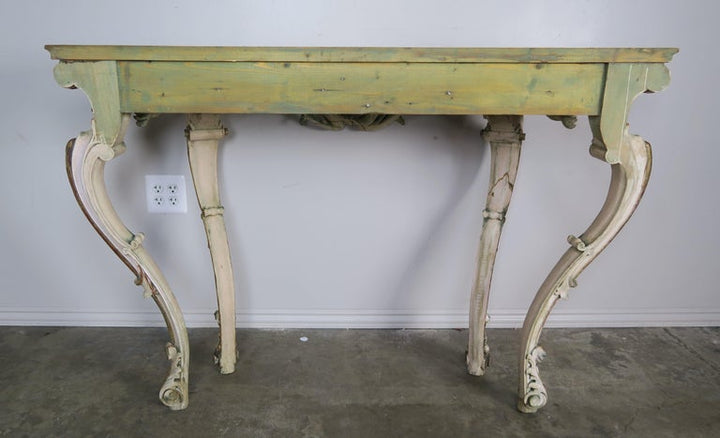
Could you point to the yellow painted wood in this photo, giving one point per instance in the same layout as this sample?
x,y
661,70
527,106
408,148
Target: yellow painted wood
x,y
359,54
356,88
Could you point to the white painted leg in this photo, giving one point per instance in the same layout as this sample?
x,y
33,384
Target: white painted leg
x,y
630,174
85,160
504,133
204,132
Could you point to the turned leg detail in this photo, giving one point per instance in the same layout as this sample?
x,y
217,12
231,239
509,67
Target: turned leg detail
x,y
629,177
203,133
85,161
505,135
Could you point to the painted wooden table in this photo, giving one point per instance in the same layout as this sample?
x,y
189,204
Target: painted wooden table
x,y
363,88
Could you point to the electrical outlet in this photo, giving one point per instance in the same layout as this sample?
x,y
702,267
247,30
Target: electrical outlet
x,y
165,193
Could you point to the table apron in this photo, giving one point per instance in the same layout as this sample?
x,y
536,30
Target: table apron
x,y
358,88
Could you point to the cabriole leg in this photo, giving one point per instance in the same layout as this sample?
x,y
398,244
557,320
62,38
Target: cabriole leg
x,y
204,132
630,174
85,160
505,135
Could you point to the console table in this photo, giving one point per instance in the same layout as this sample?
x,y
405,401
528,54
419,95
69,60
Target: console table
x,y
364,88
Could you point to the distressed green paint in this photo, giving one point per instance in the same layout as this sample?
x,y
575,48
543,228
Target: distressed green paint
x,y
141,79
360,54
624,83
554,81
359,88
100,83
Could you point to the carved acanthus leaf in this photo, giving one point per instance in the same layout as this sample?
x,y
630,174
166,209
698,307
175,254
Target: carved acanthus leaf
x,y
361,122
535,393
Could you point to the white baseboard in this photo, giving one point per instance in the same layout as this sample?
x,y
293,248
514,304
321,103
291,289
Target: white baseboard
x,y
501,318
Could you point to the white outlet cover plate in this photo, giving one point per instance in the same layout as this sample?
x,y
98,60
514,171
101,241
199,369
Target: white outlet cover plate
x,y
165,194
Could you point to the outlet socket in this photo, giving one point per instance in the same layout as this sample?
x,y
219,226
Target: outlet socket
x,y
165,193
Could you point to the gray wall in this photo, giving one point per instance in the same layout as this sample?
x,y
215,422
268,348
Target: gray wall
x,y
361,229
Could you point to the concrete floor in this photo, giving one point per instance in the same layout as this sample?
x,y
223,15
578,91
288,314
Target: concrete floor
x,y
95,382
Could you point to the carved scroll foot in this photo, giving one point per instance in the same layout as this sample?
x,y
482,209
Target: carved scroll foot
x,y
203,133
505,135
535,395
174,391
85,160
630,174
